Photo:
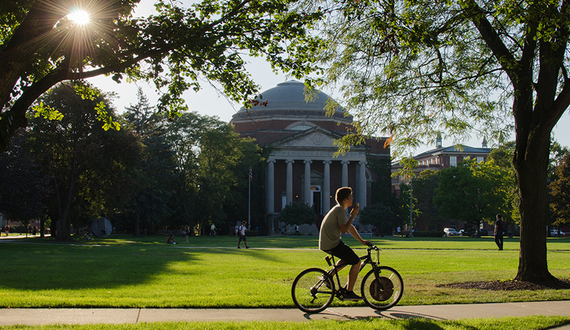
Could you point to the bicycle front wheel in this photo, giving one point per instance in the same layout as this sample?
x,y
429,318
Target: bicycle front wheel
x,y
312,290
383,289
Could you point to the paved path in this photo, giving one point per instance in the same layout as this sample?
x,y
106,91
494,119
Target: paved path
x,y
43,316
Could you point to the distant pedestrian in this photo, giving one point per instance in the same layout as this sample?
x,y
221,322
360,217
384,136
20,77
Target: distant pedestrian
x,y
398,230
187,233
213,230
499,231
241,231
297,230
7,230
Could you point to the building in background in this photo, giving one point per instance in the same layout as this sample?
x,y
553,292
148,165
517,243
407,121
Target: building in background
x,y
440,158
302,165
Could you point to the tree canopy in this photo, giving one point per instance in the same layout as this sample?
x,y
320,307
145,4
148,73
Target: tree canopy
x,y
416,69
87,165
175,48
298,214
473,192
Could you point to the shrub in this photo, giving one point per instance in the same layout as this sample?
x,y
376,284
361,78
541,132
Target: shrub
x,y
297,214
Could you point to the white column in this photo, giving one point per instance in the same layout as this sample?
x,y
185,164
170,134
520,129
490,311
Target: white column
x,y
271,186
362,185
289,180
345,172
307,185
327,187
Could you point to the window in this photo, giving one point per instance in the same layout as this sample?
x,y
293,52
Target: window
x,y
480,159
453,161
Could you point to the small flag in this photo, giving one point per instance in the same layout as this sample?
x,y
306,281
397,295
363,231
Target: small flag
x,y
250,175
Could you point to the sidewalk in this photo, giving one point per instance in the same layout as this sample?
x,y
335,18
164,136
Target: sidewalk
x,y
44,316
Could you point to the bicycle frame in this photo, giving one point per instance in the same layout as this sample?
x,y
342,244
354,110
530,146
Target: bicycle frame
x,y
336,268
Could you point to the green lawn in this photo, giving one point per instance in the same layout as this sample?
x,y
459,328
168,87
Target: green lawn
x,y
506,323
123,271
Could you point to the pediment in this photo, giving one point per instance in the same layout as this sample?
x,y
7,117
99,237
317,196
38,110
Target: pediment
x,y
315,137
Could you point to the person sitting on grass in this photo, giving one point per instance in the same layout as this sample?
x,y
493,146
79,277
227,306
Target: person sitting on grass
x,y
336,223
170,240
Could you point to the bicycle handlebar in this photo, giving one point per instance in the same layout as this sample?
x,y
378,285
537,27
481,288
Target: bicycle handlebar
x,y
372,246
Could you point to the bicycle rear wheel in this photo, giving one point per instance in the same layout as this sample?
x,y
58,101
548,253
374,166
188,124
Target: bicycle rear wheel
x,y
383,290
312,290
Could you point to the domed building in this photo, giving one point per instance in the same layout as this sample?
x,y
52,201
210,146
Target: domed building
x,y
302,165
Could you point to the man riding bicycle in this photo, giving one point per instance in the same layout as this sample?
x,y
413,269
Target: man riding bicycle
x,y
336,223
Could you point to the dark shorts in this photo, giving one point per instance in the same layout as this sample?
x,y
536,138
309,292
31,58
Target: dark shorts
x,y
242,238
345,253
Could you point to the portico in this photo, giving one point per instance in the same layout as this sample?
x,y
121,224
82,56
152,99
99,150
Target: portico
x,y
303,164
319,190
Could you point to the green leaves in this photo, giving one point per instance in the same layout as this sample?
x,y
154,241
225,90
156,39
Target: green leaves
x,y
298,214
177,48
474,191
46,112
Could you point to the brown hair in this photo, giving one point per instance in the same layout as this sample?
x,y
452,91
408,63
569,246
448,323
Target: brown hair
x,y
342,194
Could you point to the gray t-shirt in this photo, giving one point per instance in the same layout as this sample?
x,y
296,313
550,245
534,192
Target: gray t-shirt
x,y
329,236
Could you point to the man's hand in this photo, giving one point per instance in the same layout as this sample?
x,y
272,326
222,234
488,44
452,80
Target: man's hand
x,y
355,210
365,242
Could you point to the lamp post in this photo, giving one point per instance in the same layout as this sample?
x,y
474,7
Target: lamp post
x,y
411,206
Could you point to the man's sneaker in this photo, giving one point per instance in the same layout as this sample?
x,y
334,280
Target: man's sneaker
x,y
350,295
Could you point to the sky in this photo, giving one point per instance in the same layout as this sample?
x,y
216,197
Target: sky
x,y
209,102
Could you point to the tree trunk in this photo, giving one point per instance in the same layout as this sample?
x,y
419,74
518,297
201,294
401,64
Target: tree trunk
x,y
137,225
531,166
63,222
42,226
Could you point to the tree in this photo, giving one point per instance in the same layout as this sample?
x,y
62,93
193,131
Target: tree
x,y
41,46
557,154
298,214
425,185
502,157
449,68
560,192
472,192
23,186
223,167
406,207
212,165
379,215
155,174
86,164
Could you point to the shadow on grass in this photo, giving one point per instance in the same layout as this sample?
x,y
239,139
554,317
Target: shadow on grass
x,y
80,266
45,264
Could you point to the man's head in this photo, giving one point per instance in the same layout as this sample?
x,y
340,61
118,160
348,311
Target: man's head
x,y
499,217
244,223
342,194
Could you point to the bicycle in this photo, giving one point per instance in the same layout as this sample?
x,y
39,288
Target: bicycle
x,y
313,289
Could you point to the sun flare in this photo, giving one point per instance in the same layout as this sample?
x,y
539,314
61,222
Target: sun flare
x,y
79,17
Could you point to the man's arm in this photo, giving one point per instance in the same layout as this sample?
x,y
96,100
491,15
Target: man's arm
x,y
356,235
346,227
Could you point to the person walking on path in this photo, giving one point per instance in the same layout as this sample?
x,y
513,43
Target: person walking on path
x,y
241,232
336,223
499,231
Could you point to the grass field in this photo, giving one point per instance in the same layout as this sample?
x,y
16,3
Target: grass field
x,y
123,271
